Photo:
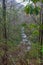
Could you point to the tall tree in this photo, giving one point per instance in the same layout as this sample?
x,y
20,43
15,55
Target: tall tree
x,y
41,31
5,56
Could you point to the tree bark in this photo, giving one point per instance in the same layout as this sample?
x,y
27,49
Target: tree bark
x,y
5,56
41,33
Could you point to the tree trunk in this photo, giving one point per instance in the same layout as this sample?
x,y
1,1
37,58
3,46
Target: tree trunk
x,y
5,56
41,32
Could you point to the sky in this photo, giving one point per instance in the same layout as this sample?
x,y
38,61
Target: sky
x,y
19,1
24,3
